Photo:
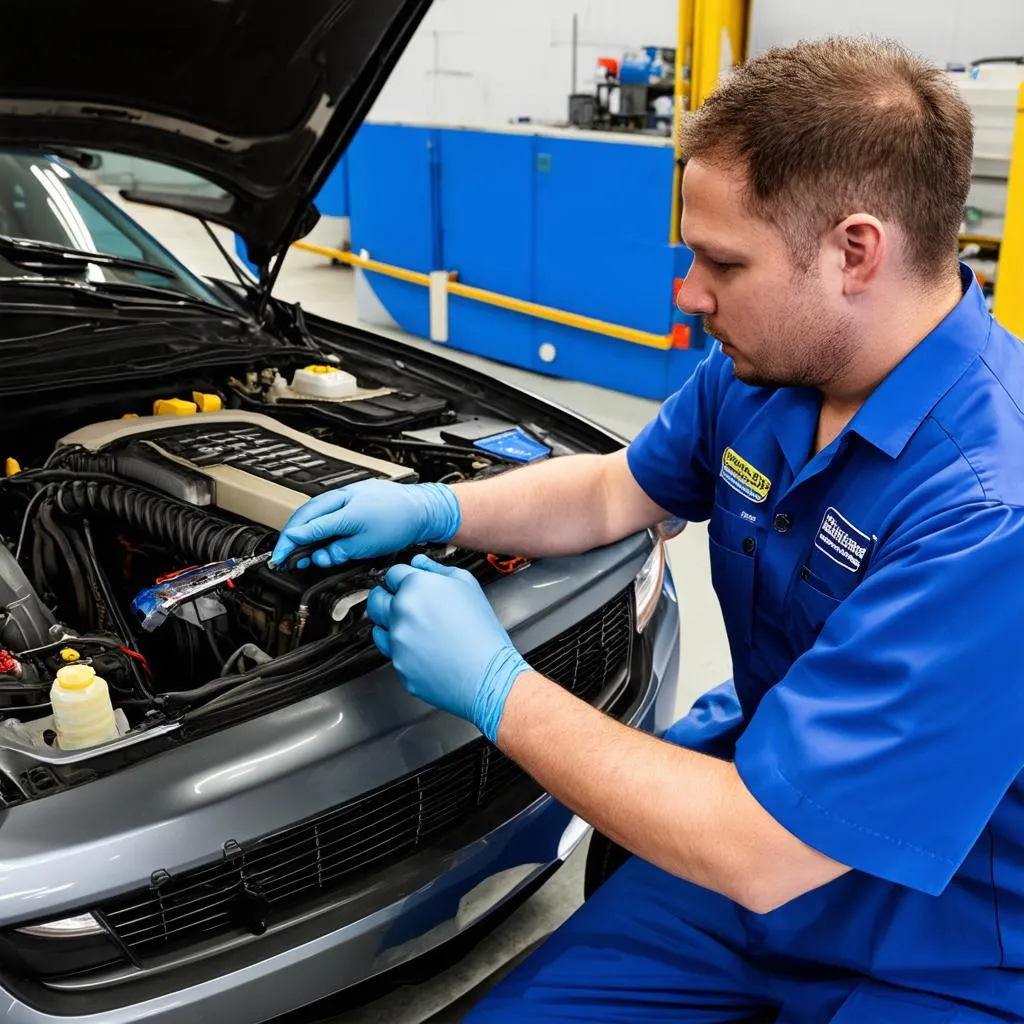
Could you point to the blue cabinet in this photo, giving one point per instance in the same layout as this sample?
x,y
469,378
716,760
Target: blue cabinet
x,y
487,231
577,224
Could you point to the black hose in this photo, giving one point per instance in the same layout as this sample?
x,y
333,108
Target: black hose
x,y
100,612
190,531
111,601
106,642
87,462
324,649
212,641
356,657
68,556
311,596
26,519
44,561
34,477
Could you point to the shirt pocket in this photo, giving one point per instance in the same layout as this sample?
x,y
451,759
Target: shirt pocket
x,y
818,587
733,544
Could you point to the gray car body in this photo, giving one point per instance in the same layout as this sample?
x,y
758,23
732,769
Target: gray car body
x,y
269,132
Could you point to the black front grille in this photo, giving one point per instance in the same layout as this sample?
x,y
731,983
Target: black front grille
x,y
275,876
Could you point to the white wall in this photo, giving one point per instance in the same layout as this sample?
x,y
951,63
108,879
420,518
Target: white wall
x,y
946,31
490,61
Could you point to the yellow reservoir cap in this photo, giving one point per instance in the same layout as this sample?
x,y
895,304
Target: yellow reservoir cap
x,y
174,407
320,369
12,467
207,403
69,656
75,677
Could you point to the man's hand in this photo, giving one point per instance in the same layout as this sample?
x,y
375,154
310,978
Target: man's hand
x,y
364,520
447,646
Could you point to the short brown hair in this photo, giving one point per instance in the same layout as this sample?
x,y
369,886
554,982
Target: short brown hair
x,y
840,126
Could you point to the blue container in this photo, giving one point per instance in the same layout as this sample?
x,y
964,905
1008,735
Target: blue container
x,y
647,68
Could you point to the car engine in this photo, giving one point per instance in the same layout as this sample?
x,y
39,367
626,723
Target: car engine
x,y
124,499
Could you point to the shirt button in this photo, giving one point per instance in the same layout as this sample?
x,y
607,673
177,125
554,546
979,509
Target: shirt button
x,y
749,545
782,522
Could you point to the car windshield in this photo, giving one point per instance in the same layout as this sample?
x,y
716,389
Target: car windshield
x,y
43,202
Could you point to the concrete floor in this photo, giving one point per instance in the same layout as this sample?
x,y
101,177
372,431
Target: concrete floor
x,y
330,291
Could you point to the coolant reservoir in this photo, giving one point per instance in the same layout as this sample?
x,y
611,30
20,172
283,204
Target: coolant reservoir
x,y
324,382
82,713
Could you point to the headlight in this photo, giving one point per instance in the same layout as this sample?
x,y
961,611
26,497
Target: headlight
x,y
68,945
66,928
647,585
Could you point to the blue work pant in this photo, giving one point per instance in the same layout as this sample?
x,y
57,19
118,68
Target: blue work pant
x,y
651,947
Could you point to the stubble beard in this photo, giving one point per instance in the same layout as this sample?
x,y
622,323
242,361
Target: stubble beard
x,y
821,356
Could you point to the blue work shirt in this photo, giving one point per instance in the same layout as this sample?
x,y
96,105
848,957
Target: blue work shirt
x,y
873,596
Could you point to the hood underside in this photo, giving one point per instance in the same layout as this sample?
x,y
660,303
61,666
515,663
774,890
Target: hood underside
x,y
255,96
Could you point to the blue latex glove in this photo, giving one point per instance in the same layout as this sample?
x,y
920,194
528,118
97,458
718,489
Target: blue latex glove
x,y
368,519
446,643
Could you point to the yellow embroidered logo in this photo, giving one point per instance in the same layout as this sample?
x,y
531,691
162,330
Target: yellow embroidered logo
x,y
741,476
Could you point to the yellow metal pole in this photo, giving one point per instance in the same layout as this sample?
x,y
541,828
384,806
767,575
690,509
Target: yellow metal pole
x,y
684,56
1009,298
343,256
704,69
534,309
699,47
559,316
712,20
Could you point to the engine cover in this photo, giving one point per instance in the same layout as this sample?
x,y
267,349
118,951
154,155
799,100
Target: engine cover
x,y
242,462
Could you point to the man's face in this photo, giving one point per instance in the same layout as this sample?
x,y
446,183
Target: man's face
x,y
780,324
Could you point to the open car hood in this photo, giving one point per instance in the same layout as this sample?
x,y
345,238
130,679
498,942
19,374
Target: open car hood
x,y
260,97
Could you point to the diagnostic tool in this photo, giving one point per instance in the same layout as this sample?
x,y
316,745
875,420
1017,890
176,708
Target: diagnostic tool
x,y
152,605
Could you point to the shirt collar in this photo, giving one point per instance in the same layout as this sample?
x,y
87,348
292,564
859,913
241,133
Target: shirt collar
x,y
793,415
900,404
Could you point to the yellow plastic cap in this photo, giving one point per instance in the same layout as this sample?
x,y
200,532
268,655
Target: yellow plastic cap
x,y
173,407
12,467
207,403
130,416
320,369
69,656
75,677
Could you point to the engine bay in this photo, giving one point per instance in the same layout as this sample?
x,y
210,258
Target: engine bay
x,y
123,497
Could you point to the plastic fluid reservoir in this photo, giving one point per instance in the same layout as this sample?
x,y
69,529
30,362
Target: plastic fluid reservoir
x,y
82,713
324,382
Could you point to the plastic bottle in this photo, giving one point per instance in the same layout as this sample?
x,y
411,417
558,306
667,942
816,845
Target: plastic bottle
x,y
83,715
324,382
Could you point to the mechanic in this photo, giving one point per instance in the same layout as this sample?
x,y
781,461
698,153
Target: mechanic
x,y
838,834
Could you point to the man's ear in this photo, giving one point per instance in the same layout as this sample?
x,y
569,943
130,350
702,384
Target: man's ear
x,y
862,246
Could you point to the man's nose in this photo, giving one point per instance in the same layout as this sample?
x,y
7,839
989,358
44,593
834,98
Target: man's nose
x,y
694,297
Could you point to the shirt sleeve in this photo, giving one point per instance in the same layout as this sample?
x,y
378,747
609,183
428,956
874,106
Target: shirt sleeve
x,y
889,744
671,457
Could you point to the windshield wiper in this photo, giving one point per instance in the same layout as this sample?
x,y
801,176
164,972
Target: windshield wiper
x,y
130,297
28,252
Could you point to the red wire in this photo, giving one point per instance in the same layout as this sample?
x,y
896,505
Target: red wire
x,y
138,657
174,575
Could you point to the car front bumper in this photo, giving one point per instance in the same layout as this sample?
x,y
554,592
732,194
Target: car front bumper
x,y
305,961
